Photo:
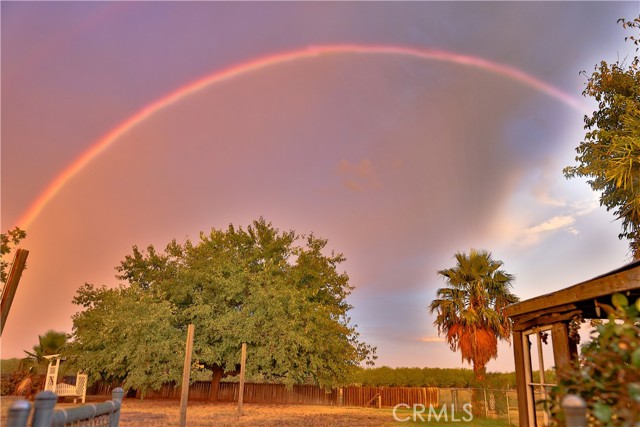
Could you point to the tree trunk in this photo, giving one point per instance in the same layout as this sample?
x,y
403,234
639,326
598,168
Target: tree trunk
x,y
477,395
480,372
218,372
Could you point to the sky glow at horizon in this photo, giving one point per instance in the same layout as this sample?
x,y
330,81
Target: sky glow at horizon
x,y
398,161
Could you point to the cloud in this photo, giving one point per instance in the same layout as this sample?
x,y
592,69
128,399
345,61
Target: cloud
x,y
432,339
584,207
555,223
358,177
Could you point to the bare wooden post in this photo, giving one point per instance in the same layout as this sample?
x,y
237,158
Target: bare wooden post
x,y
340,396
243,360
9,290
18,413
186,373
575,411
44,404
379,401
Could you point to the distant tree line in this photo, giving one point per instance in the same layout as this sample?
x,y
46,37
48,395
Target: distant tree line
x,y
385,376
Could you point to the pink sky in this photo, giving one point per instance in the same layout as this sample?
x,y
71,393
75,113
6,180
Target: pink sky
x,y
398,160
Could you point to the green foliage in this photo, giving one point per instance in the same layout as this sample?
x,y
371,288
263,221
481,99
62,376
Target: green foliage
x,y
8,366
8,241
385,376
31,370
52,342
469,310
276,291
608,373
609,156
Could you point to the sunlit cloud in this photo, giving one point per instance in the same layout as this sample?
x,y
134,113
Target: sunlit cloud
x,y
584,207
358,177
542,193
555,223
534,234
432,339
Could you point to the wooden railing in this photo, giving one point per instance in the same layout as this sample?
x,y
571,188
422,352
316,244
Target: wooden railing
x,y
105,414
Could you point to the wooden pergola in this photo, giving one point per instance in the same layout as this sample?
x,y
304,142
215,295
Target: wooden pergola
x,y
549,316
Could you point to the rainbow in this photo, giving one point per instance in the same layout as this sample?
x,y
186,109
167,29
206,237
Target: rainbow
x,y
268,61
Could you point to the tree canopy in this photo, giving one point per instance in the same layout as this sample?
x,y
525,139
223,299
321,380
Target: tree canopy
x,y
8,241
469,310
609,156
277,291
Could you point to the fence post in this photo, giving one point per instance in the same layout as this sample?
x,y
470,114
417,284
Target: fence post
x,y
508,410
18,413
186,375
116,395
486,407
575,411
340,396
44,404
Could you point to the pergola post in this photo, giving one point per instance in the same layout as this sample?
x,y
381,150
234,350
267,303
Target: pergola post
x,y
521,380
564,349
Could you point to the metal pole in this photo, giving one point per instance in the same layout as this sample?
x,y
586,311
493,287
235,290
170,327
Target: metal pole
x,y
18,413
44,404
508,411
486,407
575,411
186,373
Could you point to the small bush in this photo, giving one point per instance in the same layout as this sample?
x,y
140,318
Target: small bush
x,y
607,376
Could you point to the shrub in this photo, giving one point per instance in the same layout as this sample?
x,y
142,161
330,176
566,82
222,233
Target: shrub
x,y
607,376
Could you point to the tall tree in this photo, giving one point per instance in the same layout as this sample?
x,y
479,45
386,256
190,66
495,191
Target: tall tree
x,y
609,156
279,292
469,310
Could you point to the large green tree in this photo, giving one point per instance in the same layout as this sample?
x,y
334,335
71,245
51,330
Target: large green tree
x,y
609,156
469,309
279,292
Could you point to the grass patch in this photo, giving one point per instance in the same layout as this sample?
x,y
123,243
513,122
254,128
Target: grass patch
x,y
458,419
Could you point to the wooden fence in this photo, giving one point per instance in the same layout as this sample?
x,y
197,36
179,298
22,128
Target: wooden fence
x,y
302,394
278,393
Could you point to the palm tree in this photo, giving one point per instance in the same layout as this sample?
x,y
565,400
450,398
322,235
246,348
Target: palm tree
x,y
32,366
470,308
52,342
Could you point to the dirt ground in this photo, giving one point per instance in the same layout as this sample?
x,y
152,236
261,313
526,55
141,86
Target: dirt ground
x,y
166,413
156,413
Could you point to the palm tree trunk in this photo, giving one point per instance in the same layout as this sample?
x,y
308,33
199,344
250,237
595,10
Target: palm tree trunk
x,y
477,395
480,372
